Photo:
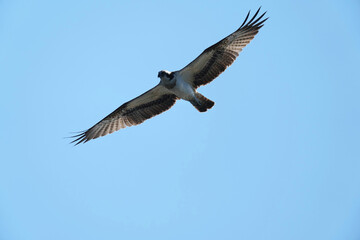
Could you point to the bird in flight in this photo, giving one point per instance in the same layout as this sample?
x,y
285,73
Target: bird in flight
x,y
180,84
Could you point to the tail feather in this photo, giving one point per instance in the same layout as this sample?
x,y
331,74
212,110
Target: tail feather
x,y
201,103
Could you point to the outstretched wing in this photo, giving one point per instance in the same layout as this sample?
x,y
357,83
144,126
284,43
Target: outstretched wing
x,y
215,59
136,111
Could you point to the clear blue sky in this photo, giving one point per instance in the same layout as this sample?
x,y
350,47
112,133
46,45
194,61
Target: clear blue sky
x,y
277,157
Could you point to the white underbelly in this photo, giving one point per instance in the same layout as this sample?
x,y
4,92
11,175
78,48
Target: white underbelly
x,y
183,90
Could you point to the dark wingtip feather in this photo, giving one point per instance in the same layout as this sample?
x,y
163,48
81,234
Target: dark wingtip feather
x,y
260,24
253,21
247,16
80,138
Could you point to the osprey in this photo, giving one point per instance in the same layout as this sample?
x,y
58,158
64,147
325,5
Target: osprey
x,y
180,84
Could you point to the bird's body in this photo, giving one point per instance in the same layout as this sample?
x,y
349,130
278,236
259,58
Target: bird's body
x,y
183,89
180,84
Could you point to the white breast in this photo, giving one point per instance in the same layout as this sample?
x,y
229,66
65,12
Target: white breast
x,y
183,90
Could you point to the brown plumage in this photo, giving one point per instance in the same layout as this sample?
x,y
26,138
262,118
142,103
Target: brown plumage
x,y
216,58
134,112
180,84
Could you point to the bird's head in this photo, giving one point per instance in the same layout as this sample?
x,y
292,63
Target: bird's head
x,y
167,79
165,75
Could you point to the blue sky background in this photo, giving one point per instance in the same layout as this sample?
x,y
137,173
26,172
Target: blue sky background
x,y
278,157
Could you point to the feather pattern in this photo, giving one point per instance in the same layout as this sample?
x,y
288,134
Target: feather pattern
x,y
134,112
179,84
215,59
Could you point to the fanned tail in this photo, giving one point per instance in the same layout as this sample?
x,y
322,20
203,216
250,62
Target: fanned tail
x,y
201,103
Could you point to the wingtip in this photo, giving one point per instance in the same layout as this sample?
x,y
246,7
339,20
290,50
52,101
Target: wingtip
x,y
247,16
253,21
79,138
